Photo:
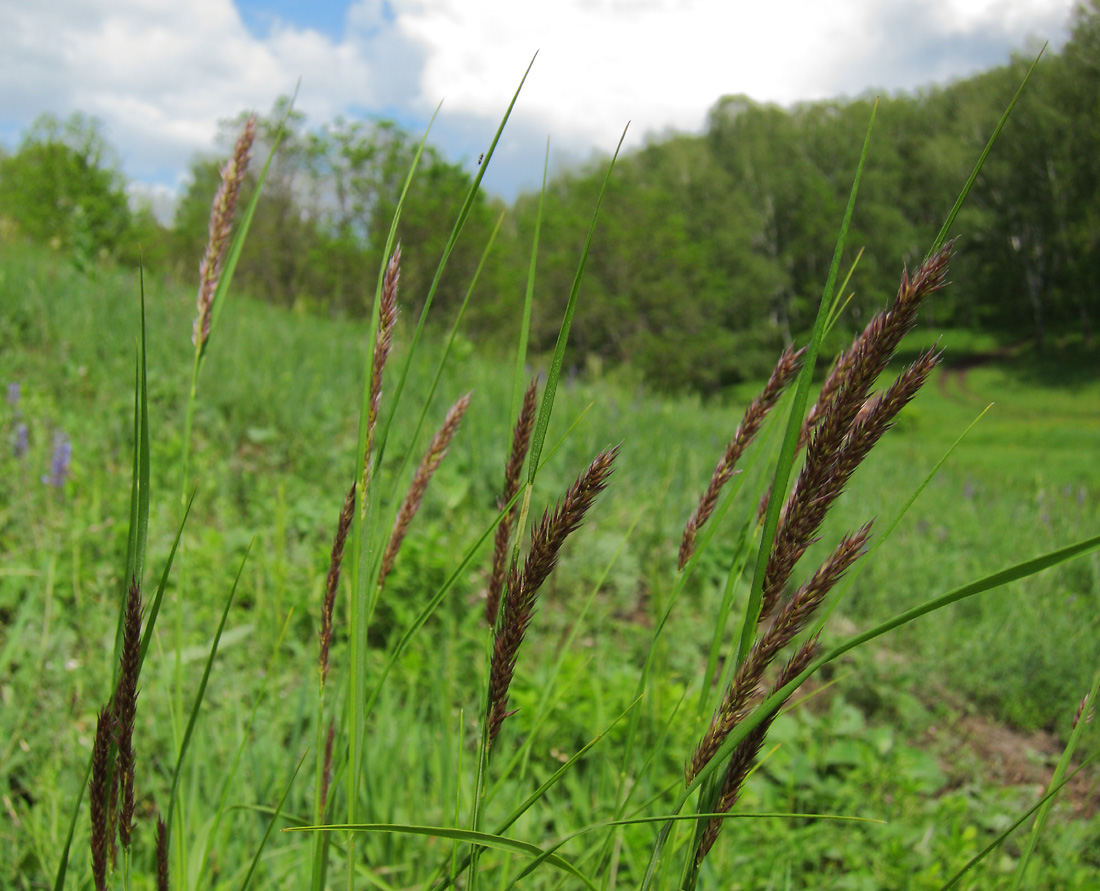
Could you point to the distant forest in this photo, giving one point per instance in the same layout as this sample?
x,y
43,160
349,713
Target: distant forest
x,y
711,249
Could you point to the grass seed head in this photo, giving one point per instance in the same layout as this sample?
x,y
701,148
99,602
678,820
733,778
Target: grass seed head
x,y
547,539
98,794
437,450
332,582
221,222
521,441
125,709
754,416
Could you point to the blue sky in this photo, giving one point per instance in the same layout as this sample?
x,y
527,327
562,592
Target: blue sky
x,y
326,16
161,75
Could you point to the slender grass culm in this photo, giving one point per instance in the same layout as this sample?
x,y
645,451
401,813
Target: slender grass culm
x,y
445,753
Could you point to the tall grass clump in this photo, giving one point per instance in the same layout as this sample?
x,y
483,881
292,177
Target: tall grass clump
x,y
426,721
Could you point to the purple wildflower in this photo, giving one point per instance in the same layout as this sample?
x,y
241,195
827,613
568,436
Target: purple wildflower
x,y
19,443
13,396
59,466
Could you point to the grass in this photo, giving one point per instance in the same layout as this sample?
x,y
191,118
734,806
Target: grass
x,y
272,445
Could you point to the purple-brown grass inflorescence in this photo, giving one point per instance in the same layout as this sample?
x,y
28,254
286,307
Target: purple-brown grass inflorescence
x,y
521,441
383,343
518,609
437,450
750,424
831,456
332,582
845,424
221,222
98,795
125,709
789,623
162,855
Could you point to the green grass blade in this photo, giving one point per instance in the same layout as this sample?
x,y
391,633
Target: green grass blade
x,y
993,845
888,530
681,818
788,448
137,537
228,775
398,476
838,305
466,836
139,486
773,702
1055,784
941,236
538,438
518,383
153,608
271,823
456,230
193,717
980,586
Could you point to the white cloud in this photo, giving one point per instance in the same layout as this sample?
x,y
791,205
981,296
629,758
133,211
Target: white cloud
x,y
665,62
161,74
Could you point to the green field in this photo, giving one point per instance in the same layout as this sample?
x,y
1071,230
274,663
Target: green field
x,y
892,737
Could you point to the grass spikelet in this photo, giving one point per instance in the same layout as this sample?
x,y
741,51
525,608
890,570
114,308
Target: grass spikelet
x,y
521,441
1083,710
387,319
98,794
750,424
221,221
332,582
789,622
832,455
746,753
547,539
162,855
125,710
437,450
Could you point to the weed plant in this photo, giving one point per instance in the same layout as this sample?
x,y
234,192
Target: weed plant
x,y
401,730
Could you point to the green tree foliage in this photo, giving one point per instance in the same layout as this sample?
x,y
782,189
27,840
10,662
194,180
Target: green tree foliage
x,y
62,187
711,249
323,217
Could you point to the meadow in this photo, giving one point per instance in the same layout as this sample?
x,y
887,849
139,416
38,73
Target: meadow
x,y
274,436
546,662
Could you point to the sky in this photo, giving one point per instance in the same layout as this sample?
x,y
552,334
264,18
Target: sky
x,y
161,74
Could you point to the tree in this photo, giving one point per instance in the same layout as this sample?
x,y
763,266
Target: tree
x,y
63,187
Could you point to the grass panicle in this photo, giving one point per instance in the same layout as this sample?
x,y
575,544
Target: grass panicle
x,y
332,581
221,223
99,795
791,619
513,472
744,756
754,416
836,447
162,855
1084,710
125,710
387,320
522,588
429,464
839,432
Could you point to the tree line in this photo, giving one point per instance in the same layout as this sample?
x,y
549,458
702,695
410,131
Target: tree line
x,y
711,249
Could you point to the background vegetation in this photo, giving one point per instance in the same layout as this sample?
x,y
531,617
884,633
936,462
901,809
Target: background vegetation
x,y
907,732
725,233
